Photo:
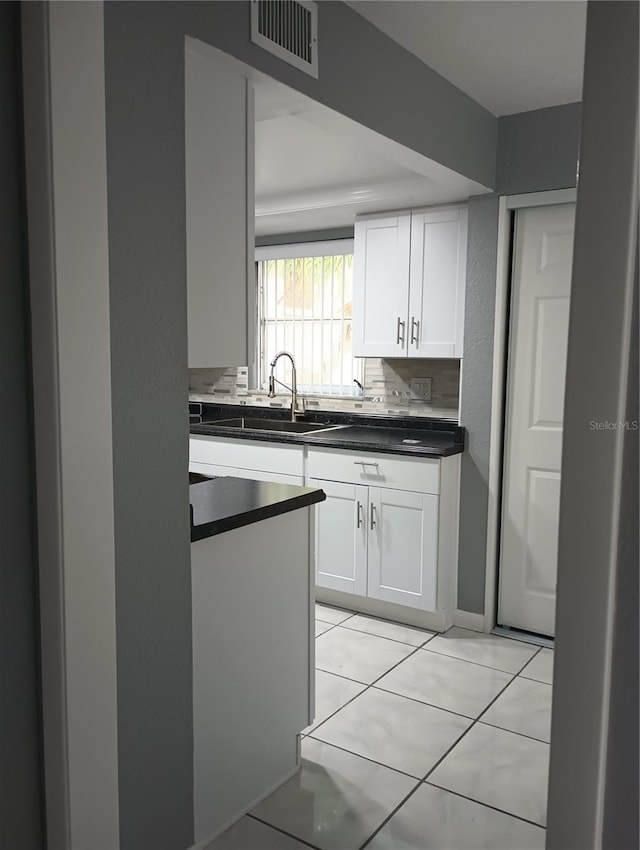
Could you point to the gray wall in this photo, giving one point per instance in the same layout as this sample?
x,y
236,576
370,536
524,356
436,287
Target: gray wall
x,y
538,150
144,58
622,792
21,805
596,670
475,392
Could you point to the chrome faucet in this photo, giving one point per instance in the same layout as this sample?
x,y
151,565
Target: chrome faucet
x,y
293,389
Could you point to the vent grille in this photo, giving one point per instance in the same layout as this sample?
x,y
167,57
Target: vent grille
x,y
289,30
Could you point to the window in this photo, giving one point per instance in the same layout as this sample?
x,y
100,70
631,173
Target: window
x,y
305,293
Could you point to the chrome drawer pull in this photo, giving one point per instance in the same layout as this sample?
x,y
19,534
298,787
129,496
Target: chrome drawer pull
x,y
359,515
365,463
372,524
400,332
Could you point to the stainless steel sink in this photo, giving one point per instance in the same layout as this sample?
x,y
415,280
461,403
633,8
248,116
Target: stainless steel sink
x,y
278,425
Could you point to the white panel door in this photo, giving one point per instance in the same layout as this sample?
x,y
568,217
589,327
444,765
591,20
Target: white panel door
x,y
437,282
403,547
535,408
381,286
341,537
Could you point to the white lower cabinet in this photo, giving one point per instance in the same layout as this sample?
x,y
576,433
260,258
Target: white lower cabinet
x,y
377,540
388,529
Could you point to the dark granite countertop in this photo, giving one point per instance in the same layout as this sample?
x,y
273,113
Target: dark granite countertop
x,y
221,504
401,435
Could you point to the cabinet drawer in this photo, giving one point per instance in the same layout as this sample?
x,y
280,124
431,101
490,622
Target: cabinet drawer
x,y
266,457
421,475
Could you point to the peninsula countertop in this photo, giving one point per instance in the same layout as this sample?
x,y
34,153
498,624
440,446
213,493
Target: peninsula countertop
x,y
221,504
405,435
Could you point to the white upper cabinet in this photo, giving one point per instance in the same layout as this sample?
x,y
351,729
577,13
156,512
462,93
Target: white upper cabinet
x,y
410,273
219,166
381,286
437,282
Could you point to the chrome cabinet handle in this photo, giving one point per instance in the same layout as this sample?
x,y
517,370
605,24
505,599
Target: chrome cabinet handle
x,y
359,515
415,330
365,463
400,332
372,523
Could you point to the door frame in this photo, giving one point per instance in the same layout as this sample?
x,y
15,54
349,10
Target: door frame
x,y
508,206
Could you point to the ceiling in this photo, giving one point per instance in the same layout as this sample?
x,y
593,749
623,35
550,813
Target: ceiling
x,y
509,55
317,169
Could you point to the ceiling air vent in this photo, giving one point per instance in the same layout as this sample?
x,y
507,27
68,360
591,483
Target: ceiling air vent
x,y
289,30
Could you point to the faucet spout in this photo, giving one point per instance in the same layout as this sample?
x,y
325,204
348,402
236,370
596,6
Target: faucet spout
x,y
294,382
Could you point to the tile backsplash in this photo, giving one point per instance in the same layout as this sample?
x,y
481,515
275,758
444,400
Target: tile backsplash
x,y
387,389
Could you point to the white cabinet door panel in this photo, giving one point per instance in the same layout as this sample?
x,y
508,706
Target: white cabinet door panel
x,y
403,548
381,286
438,275
341,537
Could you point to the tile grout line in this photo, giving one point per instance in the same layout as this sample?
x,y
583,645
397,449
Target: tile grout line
x,y
373,634
511,732
486,666
486,805
366,758
283,832
386,637
388,818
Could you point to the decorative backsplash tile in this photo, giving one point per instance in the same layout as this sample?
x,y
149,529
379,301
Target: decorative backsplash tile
x,y
387,389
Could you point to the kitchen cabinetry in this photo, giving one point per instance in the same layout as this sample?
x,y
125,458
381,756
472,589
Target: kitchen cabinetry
x,y
409,283
246,459
388,529
220,208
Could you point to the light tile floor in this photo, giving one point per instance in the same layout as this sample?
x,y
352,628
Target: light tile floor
x,y
420,742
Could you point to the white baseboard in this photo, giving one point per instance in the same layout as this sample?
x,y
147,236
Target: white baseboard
x,y
468,620
204,842
435,621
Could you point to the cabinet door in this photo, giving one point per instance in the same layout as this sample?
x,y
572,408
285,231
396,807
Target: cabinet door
x,y
341,537
220,209
403,547
381,286
437,288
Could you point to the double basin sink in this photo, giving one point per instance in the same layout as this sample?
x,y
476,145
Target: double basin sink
x,y
275,425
